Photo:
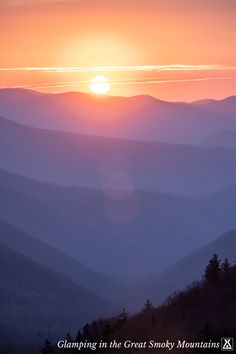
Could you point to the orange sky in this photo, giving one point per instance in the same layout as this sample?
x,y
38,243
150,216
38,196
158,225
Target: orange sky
x,y
140,42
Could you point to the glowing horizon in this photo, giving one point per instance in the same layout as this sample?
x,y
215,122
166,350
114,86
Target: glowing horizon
x,y
171,50
204,73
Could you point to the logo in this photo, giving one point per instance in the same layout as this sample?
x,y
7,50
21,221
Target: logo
x,y
227,344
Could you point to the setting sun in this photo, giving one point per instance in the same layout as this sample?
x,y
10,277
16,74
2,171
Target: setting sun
x,y
100,85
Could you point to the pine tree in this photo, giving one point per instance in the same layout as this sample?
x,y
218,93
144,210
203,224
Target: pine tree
x,y
79,337
225,267
87,334
123,317
213,270
48,348
69,338
148,306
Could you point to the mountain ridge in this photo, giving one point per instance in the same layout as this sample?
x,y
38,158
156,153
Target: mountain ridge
x,y
36,301
138,117
70,159
105,227
189,268
43,253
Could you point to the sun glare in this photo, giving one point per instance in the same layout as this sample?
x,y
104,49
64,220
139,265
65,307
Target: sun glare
x,y
100,85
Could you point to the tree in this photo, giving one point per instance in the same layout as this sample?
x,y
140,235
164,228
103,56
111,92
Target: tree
x,y
87,333
69,338
148,306
47,348
213,270
79,337
123,317
225,267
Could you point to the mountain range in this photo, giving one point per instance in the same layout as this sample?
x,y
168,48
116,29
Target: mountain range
x,y
41,252
139,117
32,295
99,162
105,202
112,231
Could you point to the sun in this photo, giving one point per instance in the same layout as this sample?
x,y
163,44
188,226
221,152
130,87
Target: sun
x,y
100,85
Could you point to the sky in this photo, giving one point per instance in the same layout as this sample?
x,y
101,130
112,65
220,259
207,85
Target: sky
x,y
171,49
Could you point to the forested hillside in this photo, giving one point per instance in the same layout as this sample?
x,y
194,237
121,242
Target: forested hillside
x,y
202,313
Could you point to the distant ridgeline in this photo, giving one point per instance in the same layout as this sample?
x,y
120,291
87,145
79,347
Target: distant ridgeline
x,y
194,319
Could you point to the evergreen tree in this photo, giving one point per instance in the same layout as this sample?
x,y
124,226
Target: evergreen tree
x,y
69,338
148,306
213,270
48,348
79,337
225,267
87,334
122,318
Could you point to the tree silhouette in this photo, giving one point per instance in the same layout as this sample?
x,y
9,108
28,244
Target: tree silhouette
x,y
148,306
194,306
122,318
47,348
79,337
225,267
213,270
87,333
69,338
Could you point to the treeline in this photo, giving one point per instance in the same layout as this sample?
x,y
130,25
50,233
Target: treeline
x,y
203,311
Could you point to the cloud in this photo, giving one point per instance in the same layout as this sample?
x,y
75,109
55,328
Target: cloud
x,y
205,73
135,81
173,67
